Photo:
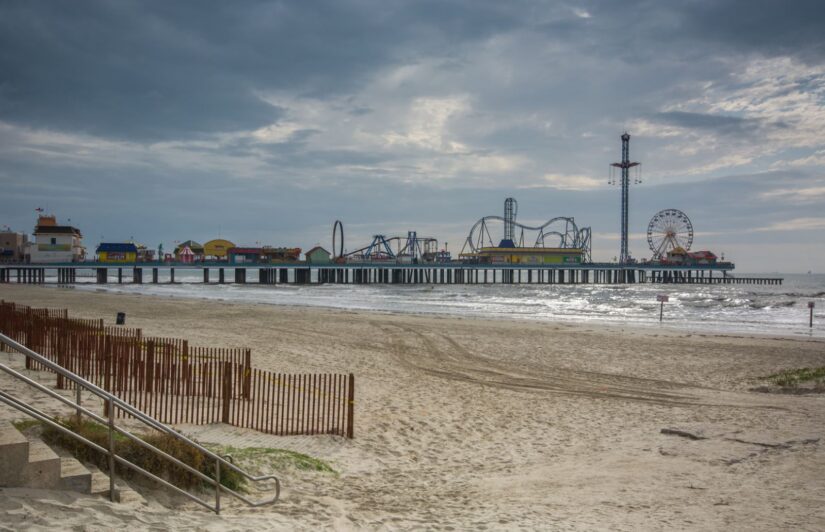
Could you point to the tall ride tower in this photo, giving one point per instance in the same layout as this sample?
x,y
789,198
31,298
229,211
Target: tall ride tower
x,y
625,165
510,213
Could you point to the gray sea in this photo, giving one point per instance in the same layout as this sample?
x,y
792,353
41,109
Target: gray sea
x,y
774,310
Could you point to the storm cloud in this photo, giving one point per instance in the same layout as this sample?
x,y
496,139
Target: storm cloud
x,y
266,121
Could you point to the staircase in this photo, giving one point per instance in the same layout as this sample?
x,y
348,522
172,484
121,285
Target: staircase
x,y
33,464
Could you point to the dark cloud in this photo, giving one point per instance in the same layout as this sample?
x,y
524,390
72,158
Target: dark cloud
x,y
395,115
719,124
160,70
763,26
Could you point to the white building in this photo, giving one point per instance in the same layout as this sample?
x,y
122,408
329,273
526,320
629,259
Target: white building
x,y
55,243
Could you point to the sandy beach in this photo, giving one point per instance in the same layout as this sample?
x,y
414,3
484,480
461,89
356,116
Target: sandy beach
x,y
491,424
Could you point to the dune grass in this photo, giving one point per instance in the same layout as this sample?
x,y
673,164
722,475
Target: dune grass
x,y
25,424
139,455
278,459
792,378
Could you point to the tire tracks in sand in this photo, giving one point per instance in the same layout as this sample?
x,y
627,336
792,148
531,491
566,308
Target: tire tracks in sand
x,y
439,355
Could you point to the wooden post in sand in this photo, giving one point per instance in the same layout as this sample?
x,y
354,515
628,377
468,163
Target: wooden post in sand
x,y
350,406
662,299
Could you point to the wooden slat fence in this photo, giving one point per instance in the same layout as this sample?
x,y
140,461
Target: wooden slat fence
x,y
178,383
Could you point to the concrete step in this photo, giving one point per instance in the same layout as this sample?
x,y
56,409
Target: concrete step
x,y
123,492
33,464
14,455
74,476
43,468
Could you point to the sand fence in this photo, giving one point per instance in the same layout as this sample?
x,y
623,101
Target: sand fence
x,y
175,382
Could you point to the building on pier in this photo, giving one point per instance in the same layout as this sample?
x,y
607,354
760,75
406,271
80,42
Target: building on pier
x,y
217,249
117,252
13,246
318,255
263,255
195,248
680,256
144,254
55,243
525,255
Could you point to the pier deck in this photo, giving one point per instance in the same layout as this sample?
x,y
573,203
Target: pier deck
x,y
380,273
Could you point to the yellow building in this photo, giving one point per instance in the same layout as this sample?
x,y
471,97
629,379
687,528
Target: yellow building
x,y
116,252
535,256
217,248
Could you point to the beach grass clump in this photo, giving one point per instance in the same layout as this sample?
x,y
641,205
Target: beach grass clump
x,y
791,378
25,424
140,455
278,459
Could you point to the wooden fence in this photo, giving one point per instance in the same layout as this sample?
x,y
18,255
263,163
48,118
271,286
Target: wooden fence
x,y
178,383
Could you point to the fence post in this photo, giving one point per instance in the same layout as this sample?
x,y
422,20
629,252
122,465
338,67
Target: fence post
x,y
226,392
350,406
107,372
149,371
247,374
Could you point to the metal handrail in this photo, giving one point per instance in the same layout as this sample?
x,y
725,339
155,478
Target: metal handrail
x,y
113,401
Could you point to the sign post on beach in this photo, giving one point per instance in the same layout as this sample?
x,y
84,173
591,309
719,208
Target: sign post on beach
x,y
662,299
811,318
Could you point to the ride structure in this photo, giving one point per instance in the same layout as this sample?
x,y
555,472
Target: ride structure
x,y
625,165
669,230
337,238
557,240
411,249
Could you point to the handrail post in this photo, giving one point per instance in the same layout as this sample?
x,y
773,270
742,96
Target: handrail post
x,y
77,401
111,449
217,486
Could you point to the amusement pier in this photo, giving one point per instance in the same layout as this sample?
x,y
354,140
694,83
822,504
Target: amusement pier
x,y
497,250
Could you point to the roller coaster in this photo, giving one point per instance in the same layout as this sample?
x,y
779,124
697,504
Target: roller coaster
x,y
560,232
411,249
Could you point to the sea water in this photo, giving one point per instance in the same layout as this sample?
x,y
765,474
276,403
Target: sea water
x,y
760,309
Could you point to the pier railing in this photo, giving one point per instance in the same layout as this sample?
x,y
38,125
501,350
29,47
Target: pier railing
x,y
179,383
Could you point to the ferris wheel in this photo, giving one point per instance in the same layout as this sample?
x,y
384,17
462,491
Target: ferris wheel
x,y
669,229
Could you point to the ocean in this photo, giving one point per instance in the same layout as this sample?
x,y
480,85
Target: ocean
x,y
754,309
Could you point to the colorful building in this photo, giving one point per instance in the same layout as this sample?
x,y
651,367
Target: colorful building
x,y
55,243
144,254
266,255
679,255
194,247
271,254
217,249
185,255
116,252
702,257
537,256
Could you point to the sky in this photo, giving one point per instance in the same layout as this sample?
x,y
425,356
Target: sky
x,y
264,122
